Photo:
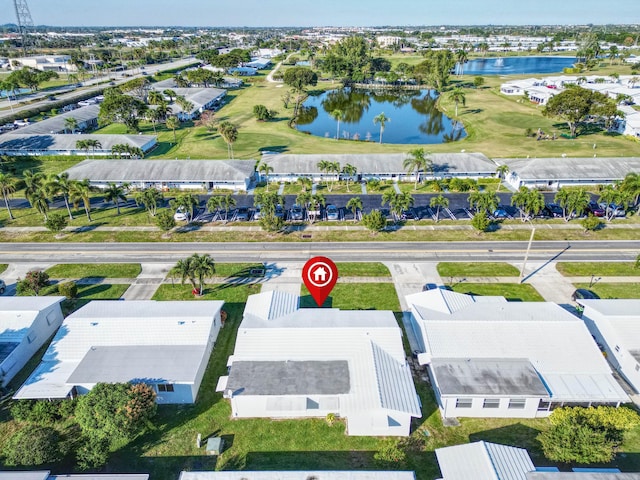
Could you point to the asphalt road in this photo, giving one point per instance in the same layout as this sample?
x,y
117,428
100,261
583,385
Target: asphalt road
x,y
338,251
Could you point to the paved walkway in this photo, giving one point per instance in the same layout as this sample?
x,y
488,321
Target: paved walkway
x,y
148,281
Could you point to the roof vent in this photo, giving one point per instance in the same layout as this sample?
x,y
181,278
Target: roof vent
x,y
93,324
181,322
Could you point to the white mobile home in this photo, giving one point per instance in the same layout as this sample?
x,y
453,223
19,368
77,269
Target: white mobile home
x,y
164,344
300,475
615,324
491,358
47,475
290,362
26,323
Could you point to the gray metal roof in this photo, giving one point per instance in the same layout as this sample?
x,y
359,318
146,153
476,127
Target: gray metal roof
x,y
199,96
395,383
63,141
486,376
139,363
299,475
588,168
56,124
289,378
581,476
162,170
34,475
101,476
372,163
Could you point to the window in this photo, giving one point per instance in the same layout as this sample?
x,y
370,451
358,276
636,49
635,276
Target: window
x,y
637,367
617,348
31,337
491,403
517,403
463,403
543,406
51,318
165,387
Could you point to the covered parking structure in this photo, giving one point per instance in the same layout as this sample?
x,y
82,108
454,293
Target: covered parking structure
x,y
555,173
379,166
233,175
17,144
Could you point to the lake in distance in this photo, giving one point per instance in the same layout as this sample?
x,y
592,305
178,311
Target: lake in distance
x,y
516,65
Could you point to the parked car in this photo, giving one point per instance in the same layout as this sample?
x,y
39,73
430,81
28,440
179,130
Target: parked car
x,y
3,287
296,213
181,215
584,294
555,210
332,212
408,215
279,211
242,214
613,210
500,213
594,209
429,286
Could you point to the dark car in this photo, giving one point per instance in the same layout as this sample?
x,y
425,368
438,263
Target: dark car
x,y
279,211
555,210
584,294
296,213
594,209
429,286
242,214
500,213
408,215
332,212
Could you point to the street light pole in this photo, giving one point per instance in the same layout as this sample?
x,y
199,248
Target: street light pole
x,y
526,255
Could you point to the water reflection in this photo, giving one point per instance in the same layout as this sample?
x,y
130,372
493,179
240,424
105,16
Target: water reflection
x,y
414,116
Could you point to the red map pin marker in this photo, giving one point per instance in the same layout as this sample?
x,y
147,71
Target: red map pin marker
x,y
320,275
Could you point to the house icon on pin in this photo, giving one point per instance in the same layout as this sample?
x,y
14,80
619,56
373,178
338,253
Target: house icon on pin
x,y
320,275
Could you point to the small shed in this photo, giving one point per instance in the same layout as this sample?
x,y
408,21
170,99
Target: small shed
x,y
215,445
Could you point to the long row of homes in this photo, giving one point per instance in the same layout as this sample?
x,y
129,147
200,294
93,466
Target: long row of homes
x,y
240,175
486,357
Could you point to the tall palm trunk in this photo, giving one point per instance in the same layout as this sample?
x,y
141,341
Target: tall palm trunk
x,y
66,203
6,203
87,208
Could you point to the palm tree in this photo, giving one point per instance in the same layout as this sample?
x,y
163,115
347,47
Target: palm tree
x,y
631,184
527,201
563,198
202,266
60,185
8,187
337,116
83,145
609,195
184,271
381,119
354,204
80,191
457,96
333,167
154,115
71,124
163,110
114,193
227,202
150,198
579,201
229,133
188,202
306,183
501,171
214,204
169,93
33,181
184,104
172,123
484,201
266,169
439,202
155,97
38,200
417,161
324,166
350,171
461,57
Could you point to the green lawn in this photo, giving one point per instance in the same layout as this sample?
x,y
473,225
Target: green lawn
x,y
514,292
613,290
602,269
477,269
362,269
357,296
3,267
226,292
101,270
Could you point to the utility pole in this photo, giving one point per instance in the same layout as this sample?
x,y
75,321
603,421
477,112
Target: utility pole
x,y
526,255
25,22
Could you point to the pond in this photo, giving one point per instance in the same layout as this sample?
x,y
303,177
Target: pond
x,y
516,65
414,116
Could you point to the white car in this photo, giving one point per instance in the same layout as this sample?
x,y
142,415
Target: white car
x,y
181,215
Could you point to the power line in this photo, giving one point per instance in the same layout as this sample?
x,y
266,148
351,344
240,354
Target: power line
x,y
25,22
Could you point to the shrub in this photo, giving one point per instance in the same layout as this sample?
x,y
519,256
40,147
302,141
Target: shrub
x,y
33,282
33,446
165,220
480,222
56,222
44,412
68,289
591,223
374,221
390,453
93,453
21,410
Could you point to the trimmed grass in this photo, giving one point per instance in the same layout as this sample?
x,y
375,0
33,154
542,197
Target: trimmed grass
x,y
603,269
3,267
226,292
362,269
101,270
514,292
357,296
613,290
86,293
477,269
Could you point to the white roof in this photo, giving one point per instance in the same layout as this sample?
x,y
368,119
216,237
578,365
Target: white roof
x,y
299,475
45,475
109,323
18,313
370,341
621,316
557,343
484,461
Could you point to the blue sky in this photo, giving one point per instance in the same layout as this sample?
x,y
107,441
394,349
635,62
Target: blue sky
x,y
326,12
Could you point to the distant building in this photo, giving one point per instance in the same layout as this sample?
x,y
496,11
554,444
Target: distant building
x,y
86,118
47,475
18,144
164,344
299,475
290,362
26,323
53,63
